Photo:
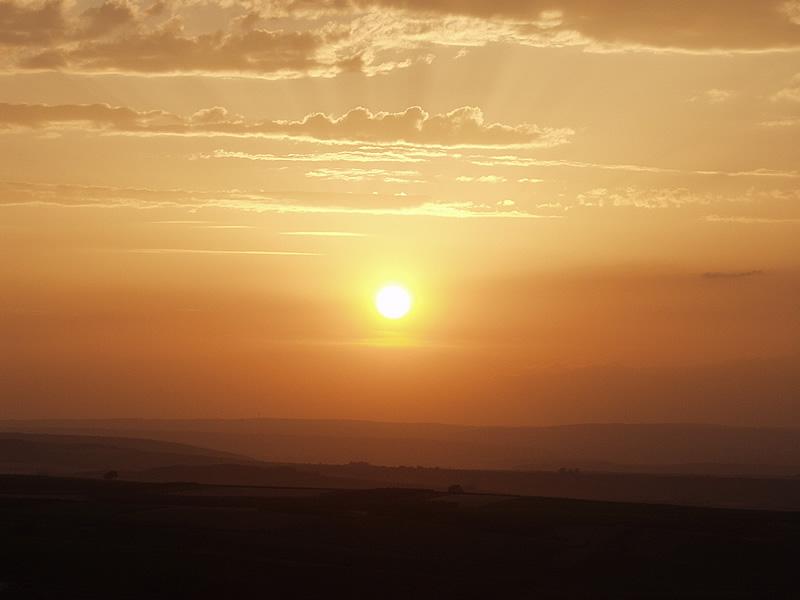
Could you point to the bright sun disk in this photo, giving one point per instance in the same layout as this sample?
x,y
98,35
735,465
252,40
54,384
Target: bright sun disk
x,y
393,302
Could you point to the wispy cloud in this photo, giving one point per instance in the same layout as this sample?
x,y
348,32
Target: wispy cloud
x,y
787,100
387,176
791,93
651,198
457,210
784,122
370,155
749,219
206,251
521,161
752,205
713,96
481,179
326,233
202,224
731,274
31,194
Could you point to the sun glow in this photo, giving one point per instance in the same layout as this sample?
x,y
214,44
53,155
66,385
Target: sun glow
x,y
393,302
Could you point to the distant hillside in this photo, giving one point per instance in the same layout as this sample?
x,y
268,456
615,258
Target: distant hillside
x,y
679,448
32,453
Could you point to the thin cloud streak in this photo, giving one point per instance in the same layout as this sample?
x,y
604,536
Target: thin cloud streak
x,y
383,175
200,251
27,194
746,220
456,210
519,161
403,155
731,274
326,233
202,225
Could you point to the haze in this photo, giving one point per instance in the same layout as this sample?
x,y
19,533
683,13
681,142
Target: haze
x,y
595,206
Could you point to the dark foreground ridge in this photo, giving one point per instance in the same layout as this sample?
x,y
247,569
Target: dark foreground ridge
x,y
82,538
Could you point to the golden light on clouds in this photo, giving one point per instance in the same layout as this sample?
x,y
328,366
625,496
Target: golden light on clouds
x,y
198,200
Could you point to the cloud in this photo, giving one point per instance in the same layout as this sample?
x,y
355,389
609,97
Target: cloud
x,y
105,18
481,179
120,36
167,49
384,175
43,24
462,127
731,274
641,198
66,195
326,233
746,206
99,116
364,154
713,96
23,24
203,251
785,122
750,220
791,93
198,224
325,38
706,26
521,161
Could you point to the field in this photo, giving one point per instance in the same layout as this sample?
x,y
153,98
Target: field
x,y
89,538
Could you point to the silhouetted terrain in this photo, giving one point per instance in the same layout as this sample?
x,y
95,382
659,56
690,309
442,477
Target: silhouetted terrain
x,y
675,448
141,460
91,539
264,475
691,490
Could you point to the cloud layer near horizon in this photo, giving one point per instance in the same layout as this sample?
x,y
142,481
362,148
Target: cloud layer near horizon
x,y
325,38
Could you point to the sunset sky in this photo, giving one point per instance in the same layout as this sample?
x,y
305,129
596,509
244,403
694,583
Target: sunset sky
x,y
595,206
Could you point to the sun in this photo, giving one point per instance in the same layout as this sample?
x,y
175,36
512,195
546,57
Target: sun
x,y
393,302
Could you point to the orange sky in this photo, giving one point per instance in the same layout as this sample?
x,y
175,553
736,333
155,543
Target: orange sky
x,y
596,206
